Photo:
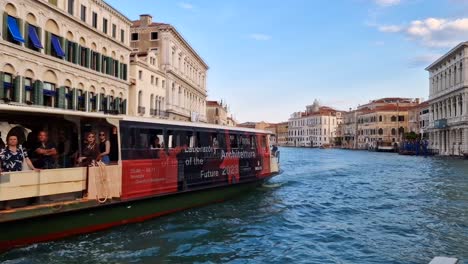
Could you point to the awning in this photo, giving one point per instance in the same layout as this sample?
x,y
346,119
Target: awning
x,y
49,93
34,38
14,29
57,47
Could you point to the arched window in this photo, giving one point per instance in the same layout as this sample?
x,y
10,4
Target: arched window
x,y
140,98
401,131
393,131
380,119
380,131
393,119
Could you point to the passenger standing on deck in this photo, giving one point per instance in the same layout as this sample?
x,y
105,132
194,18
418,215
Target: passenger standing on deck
x,y
63,147
12,157
104,148
90,152
46,152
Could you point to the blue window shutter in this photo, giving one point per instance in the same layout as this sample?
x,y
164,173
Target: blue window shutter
x,y
32,33
14,29
57,46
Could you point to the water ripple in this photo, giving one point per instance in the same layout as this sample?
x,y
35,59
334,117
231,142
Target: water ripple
x,y
329,206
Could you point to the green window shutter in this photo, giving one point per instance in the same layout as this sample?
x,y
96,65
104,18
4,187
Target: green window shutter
x,y
23,91
2,88
78,54
61,97
108,103
98,62
5,28
86,101
74,99
117,105
111,66
88,58
67,53
103,59
98,102
125,72
38,93
17,89
48,37
124,107
108,65
21,29
26,33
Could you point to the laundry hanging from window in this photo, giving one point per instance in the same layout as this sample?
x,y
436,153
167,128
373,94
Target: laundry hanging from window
x,y
34,37
14,29
57,47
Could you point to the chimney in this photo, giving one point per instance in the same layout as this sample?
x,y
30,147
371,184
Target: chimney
x,y
146,19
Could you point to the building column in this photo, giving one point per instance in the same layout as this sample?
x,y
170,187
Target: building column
x,y
465,140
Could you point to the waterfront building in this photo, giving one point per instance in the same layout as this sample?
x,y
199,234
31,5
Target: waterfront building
x,y
448,102
282,134
255,125
70,55
297,130
217,113
419,119
315,127
185,71
349,130
147,95
383,122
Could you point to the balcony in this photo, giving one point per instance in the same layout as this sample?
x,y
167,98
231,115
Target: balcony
x,y
141,110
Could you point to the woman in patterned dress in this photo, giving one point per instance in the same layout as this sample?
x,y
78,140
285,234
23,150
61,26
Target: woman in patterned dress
x,y
12,157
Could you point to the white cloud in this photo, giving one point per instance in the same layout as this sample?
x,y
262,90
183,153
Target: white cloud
x,y
260,37
185,5
390,29
433,32
386,3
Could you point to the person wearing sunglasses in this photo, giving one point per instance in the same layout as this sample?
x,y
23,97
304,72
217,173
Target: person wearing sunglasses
x,y
90,151
104,148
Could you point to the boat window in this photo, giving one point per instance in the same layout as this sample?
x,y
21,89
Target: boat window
x,y
264,142
221,140
234,141
179,138
245,141
253,142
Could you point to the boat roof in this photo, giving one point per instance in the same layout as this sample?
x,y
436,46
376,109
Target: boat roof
x,y
16,107
191,124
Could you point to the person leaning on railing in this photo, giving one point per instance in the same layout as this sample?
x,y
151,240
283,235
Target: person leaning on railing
x,y
12,159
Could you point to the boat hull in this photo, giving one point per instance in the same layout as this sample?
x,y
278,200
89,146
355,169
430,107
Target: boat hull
x,y
52,227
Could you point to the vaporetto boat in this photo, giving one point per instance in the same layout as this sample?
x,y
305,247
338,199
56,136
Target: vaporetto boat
x,y
194,164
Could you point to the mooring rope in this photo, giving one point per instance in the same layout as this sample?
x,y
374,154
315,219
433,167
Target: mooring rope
x,y
104,180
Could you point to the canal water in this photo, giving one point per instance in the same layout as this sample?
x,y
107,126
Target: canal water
x,y
329,206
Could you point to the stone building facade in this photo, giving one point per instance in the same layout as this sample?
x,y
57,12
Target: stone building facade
x,y
147,95
217,113
448,102
383,122
64,54
349,130
185,71
316,127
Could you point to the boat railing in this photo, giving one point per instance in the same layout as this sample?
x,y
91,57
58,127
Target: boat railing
x,y
94,183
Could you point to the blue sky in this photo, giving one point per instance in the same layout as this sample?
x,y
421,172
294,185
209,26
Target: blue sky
x,y
269,58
